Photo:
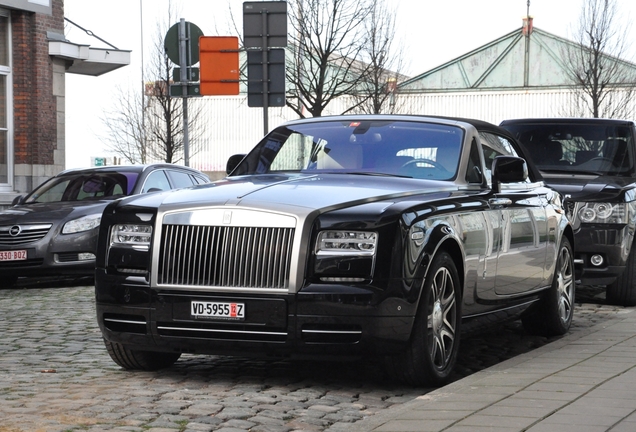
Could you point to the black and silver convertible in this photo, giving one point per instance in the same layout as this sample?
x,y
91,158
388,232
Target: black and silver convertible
x,y
346,236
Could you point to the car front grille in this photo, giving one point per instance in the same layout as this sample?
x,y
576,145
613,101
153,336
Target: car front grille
x,y
12,235
225,256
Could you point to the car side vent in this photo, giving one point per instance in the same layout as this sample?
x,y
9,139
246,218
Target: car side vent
x,y
331,334
125,323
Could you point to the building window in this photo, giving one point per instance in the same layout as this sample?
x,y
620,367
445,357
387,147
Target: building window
x,y
6,144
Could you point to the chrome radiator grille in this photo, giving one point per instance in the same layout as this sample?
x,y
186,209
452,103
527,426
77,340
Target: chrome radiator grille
x,y
22,234
249,257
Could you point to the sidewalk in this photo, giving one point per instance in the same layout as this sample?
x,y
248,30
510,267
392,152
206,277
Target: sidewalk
x,y
584,382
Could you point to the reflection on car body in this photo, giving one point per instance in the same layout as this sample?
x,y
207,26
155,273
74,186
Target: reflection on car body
x,y
340,236
53,230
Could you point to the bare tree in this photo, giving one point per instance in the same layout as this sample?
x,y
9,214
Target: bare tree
x,y
376,92
126,136
604,82
147,126
326,40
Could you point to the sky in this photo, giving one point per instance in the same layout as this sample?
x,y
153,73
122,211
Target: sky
x,y
431,32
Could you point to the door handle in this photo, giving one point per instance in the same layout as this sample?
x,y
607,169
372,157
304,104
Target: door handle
x,y
499,202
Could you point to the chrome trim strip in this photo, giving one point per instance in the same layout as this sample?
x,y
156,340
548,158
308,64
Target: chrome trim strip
x,y
220,331
238,217
333,331
27,227
125,321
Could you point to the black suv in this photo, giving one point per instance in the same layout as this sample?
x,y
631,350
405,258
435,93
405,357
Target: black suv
x,y
591,162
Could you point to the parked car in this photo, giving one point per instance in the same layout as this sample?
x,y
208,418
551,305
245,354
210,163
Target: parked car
x,y
341,236
52,231
591,162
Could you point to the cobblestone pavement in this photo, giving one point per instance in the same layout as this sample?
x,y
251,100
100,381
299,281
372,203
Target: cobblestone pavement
x,y
55,375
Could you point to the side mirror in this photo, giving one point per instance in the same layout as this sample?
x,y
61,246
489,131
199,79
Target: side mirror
x,y
17,200
233,162
508,169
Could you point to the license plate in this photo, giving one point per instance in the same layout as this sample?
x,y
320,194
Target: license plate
x,y
217,310
17,255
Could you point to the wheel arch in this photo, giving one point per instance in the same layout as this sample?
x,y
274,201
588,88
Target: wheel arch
x,y
449,244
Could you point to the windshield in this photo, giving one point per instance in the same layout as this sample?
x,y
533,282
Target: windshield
x,y
578,148
401,148
82,186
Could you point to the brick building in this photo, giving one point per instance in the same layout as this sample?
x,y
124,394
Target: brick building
x,y
34,58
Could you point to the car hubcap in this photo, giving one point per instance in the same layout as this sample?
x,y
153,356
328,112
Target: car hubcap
x,y
442,318
565,285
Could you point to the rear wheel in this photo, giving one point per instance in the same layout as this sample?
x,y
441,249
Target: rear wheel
x,y
144,360
432,352
622,291
552,316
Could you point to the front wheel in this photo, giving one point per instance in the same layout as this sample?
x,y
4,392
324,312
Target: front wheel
x,y
143,360
552,316
622,291
432,352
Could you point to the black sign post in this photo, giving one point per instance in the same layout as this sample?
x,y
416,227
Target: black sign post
x,y
265,27
182,47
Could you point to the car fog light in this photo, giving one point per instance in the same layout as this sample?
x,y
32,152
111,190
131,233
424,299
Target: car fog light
x,y
596,260
86,256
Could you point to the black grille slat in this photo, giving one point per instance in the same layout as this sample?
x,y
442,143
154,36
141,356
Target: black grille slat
x,y
237,257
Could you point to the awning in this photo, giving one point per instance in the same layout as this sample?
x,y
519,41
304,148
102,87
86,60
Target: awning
x,y
84,60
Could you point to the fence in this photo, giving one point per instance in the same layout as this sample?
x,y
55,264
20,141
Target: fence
x,y
233,127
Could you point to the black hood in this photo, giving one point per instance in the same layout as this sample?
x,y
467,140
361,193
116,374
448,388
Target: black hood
x,y
324,192
589,187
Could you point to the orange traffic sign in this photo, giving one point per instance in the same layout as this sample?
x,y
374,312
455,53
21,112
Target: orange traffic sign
x,y
219,65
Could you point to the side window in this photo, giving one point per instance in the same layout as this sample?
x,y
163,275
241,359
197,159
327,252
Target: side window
x,y
118,190
200,180
156,181
473,171
493,146
180,179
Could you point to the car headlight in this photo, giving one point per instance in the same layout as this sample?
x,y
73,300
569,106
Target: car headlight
x,y
84,223
600,212
130,234
361,243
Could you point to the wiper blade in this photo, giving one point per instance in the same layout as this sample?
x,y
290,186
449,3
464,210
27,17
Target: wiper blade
x,y
374,174
570,171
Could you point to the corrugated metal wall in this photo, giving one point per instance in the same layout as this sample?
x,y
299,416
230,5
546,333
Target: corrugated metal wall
x,y
233,127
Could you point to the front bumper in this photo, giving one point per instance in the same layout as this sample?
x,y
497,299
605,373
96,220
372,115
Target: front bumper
x,y
54,255
311,323
611,242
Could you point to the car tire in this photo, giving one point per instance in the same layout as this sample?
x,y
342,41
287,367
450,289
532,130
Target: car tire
x,y
622,291
552,315
135,359
432,351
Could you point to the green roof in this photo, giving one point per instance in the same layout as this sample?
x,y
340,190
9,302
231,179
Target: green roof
x,y
501,65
